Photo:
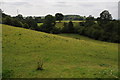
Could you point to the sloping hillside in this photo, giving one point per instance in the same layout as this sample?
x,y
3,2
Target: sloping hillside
x,y
62,56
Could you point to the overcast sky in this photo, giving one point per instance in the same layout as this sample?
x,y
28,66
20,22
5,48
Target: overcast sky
x,y
44,7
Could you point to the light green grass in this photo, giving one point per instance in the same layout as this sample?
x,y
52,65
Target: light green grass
x,y
64,57
69,21
80,37
39,24
61,24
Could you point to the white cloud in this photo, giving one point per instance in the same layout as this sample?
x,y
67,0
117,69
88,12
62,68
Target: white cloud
x,y
44,7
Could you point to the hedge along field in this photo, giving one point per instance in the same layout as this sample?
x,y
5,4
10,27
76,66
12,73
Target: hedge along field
x,y
63,57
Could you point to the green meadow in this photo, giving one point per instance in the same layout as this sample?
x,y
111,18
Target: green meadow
x,y
63,55
69,20
39,24
61,24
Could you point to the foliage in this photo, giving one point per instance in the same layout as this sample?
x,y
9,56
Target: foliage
x,y
19,21
103,28
7,73
49,24
105,17
59,16
25,25
68,27
38,19
40,64
31,22
89,21
74,17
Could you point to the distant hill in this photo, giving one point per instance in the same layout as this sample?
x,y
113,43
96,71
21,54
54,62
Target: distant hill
x,y
73,17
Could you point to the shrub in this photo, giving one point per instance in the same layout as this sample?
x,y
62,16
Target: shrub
x,y
7,73
70,27
25,25
49,24
40,64
17,23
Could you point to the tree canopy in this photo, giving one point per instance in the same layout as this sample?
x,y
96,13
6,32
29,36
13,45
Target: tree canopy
x,y
48,24
59,16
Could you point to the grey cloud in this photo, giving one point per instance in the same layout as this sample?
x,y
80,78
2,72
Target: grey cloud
x,y
119,10
17,3
85,4
62,4
43,7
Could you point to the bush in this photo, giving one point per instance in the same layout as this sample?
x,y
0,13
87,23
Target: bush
x,y
65,28
17,23
56,30
68,27
31,22
25,25
40,64
8,20
7,73
49,24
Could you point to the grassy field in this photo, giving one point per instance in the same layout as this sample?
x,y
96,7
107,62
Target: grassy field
x,y
69,20
39,24
61,24
64,55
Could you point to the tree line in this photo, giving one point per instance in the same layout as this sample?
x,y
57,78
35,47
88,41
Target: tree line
x,y
103,28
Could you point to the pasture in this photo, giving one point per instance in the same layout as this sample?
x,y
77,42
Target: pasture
x,y
61,24
72,21
63,55
39,24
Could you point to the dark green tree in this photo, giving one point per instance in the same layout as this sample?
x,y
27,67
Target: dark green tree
x,y
19,17
8,20
31,22
17,23
89,21
105,17
25,25
38,19
59,16
70,27
65,28
48,24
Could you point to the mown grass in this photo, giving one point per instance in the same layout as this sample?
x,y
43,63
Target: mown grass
x,y
61,24
39,24
63,57
69,21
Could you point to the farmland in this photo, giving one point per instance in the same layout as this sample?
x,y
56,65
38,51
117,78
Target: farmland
x,y
72,21
61,24
63,55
